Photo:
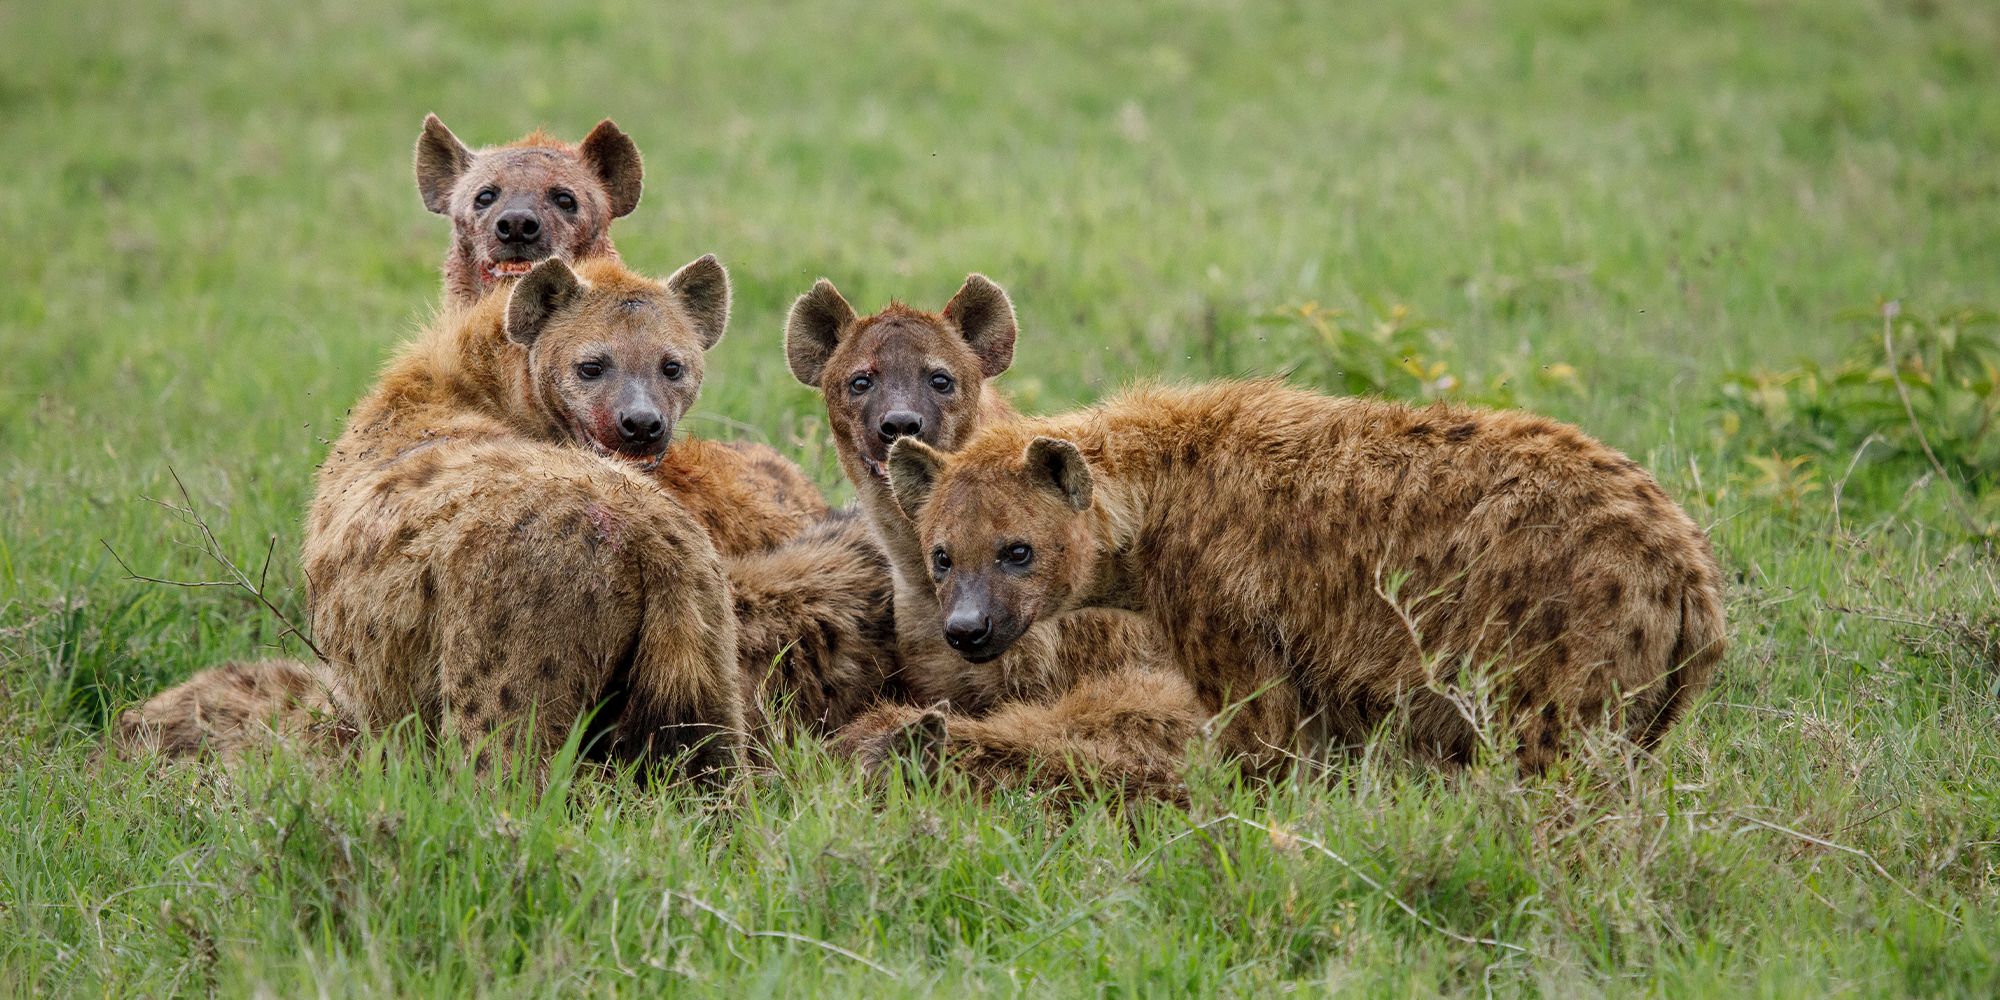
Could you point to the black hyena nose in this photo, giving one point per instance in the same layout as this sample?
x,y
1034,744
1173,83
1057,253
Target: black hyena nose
x,y
967,632
640,427
517,225
901,423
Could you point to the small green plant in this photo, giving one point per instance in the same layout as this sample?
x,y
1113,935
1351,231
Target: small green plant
x,y
1918,391
1786,482
1395,354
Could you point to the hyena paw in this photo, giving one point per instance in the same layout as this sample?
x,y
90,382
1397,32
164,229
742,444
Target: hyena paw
x,y
889,737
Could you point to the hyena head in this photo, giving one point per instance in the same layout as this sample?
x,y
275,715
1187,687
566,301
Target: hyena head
x,y
615,358
514,206
902,372
1009,533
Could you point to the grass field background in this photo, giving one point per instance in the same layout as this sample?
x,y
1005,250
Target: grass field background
x,y
1631,213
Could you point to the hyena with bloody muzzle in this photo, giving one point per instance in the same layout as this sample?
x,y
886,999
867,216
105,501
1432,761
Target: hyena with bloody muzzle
x,y
1084,697
513,206
473,558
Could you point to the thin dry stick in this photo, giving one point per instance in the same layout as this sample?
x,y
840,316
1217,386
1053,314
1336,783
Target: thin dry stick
x,y
1889,313
1329,852
1857,852
212,548
730,922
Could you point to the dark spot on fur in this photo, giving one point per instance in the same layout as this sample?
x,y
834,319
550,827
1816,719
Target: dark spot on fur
x,y
1637,640
1516,609
1420,430
508,700
1665,598
548,669
1460,433
1614,591
1273,538
1552,620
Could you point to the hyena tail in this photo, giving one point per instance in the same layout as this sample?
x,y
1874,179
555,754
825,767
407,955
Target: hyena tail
x,y
679,698
1699,649
234,710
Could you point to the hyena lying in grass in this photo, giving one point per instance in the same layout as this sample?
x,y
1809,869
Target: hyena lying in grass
x,y
1081,697
1322,566
472,558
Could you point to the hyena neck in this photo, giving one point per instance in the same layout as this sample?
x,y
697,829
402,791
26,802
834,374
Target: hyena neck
x,y
465,366
1112,526
461,275
895,530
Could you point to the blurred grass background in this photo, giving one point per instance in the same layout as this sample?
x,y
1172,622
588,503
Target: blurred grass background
x,y
213,239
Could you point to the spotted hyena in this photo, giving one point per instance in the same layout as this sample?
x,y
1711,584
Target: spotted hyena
x,y
1321,566
485,550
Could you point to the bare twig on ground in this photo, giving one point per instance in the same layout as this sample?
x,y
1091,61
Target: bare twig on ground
x,y
234,574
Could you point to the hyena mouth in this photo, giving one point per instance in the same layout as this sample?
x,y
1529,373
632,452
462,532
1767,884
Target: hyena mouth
x,y
646,460
493,270
875,468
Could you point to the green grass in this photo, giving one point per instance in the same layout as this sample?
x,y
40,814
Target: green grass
x,y
213,238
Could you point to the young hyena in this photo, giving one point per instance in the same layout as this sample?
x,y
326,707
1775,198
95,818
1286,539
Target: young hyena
x,y
484,549
1083,693
1316,563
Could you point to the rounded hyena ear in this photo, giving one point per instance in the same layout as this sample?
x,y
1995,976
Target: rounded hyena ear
x,y
614,158
913,470
536,297
702,286
813,329
985,318
1060,466
441,159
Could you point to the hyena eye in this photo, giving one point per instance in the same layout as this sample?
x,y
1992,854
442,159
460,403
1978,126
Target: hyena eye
x,y
564,200
941,381
1018,555
486,197
940,562
589,370
860,384
671,369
